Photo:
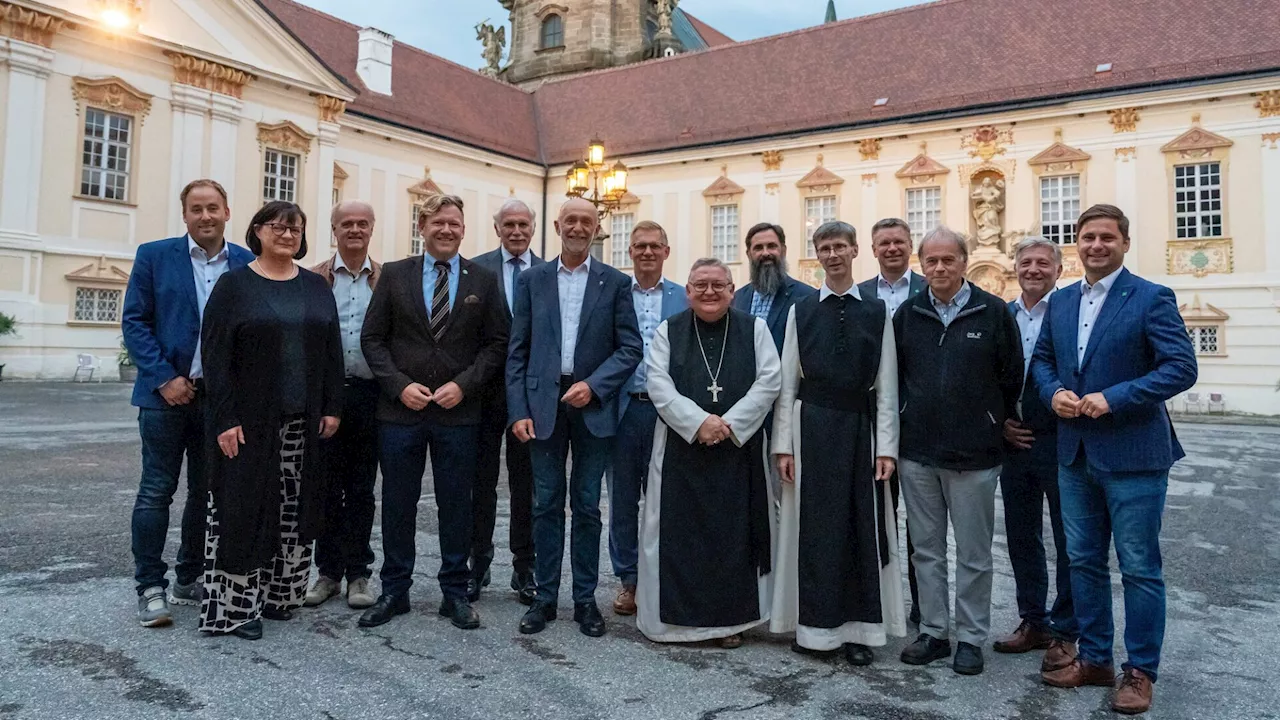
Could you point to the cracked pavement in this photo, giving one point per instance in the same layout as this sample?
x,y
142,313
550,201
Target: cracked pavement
x,y
71,648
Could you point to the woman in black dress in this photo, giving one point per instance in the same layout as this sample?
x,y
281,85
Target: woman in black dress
x,y
272,359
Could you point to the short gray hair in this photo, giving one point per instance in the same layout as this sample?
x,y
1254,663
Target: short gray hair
x,y
711,262
347,206
514,204
835,229
1033,241
942,232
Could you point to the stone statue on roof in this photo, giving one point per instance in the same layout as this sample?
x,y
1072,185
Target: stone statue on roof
x,y
494,41
665,9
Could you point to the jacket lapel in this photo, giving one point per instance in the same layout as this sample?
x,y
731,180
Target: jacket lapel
x,y
595,283
188,274
916,284
1116,299
551,289
1071,299
780,302
465,290
418,290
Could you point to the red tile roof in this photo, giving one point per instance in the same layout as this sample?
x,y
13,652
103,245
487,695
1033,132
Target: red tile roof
x,y
950,55
711,36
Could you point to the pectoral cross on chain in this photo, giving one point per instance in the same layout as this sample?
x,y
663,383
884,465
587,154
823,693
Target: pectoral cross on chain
x,y
714,388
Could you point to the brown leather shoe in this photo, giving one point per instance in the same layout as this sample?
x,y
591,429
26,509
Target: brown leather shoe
x,y
732,642
1134,694
625,603
1026,638
1059,655
1079,673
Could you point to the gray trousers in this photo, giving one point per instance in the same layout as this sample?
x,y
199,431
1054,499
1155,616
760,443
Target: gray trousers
x,y
969,497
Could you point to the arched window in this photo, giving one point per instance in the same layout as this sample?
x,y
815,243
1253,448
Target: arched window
x,y
552,32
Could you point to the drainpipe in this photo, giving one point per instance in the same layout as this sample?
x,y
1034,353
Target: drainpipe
x,y
546,177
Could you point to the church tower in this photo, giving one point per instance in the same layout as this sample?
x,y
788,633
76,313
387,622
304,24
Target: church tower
x,y
555,38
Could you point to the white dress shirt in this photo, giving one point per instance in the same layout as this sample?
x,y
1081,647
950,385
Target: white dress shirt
x,y
572,285
206,270
1029,322
893,294
508,272
1091,299
352,293
649,316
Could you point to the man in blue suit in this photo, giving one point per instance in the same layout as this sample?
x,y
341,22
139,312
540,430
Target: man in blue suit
x,y
771,292
571,354
655,300
163,307
515,224
1112,350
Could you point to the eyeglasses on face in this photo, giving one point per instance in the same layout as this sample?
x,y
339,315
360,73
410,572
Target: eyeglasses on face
x,y
717,287
279,229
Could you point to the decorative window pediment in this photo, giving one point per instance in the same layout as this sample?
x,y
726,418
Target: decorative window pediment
x,y
723,189
629,199
1197,311
286,136
339,174
819,179
1207,326
111,93
426,187
1196,142
99,272
1059,157
922,166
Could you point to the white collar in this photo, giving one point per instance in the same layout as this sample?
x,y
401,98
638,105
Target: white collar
x,y
525,256
584,267
826,292
1105,283
193,249
339,263
1044,303
635,285
905,279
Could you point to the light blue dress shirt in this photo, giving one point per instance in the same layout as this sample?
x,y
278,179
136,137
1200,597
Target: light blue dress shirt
x,y
761,305
352,293
1091,299
572,285
429,279
948,311
648,305
206,270
508,272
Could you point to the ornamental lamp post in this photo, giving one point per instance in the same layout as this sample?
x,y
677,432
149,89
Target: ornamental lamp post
x,y
600,183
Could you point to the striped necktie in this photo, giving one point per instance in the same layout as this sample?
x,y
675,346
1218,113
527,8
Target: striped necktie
x,y
440,301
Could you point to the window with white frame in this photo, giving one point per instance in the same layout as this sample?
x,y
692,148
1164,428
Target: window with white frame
x,y
279,176
415,235
724,232
1205,339
1197,200
620,238
97,305
597,249
107,157
924,211
1059,208
817,210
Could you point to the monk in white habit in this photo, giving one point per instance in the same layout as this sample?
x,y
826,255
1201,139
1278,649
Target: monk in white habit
x,y
706,534
835,441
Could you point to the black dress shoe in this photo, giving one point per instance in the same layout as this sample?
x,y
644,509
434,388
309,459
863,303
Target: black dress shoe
x,y
968,659
859,655
589,619
387,607
925,650
473,589
251,630
535,621
279,614
526,589
460,613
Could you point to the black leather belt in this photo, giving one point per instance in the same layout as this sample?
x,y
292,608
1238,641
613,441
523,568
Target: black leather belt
x,y
641,396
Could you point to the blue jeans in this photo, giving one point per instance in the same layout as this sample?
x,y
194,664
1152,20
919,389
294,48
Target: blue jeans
x,y
167,436
628,478
549,457
1024,485
403,454
1097,505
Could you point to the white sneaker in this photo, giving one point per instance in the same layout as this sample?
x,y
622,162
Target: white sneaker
x,y
358,595
324,589
153,609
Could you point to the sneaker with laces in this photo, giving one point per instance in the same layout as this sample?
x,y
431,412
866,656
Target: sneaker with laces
x,y
324,589
153,608
189,594
358,595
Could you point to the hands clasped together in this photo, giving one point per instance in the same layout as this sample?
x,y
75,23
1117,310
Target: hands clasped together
x,y
1069,405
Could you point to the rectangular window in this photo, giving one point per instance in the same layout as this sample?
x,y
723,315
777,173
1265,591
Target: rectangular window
x,y
1197,200
415,237
724,232
597,250
620,238
1205,339
336,198
1059,208
279,176
104,164
817,210
924,211
97,305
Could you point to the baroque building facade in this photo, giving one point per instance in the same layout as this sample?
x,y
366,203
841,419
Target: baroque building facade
x,y
852,120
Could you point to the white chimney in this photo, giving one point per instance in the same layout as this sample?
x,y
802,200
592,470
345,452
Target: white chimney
x,y
373,61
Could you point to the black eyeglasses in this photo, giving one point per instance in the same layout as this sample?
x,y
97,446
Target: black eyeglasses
x,y
279,229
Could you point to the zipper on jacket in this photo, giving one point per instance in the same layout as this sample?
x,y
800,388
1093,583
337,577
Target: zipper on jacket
x,y
993,417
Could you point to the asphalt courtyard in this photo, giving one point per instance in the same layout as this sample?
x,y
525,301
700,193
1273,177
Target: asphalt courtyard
x,y
70,646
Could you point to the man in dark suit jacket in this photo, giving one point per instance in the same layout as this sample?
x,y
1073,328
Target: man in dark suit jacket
x,y
571,353
515,224
771,292
1030,476
895,284
163,306
435,336
1112,351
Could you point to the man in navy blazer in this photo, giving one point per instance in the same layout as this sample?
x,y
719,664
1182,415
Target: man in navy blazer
x,y
1112,350
514,223
655,300
163,306
771,292
570,355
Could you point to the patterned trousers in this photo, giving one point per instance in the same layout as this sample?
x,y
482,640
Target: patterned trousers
x,y
234,600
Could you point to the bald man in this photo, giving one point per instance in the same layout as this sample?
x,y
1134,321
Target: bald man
x,y
352,454
567,362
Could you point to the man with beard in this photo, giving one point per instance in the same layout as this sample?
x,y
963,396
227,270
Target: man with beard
x,y
571,353
772,291
706,540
